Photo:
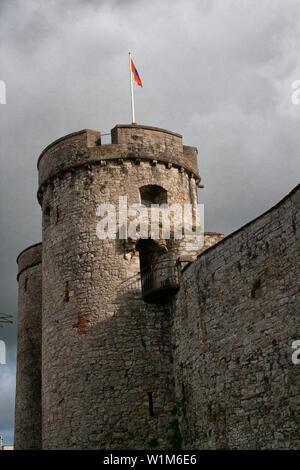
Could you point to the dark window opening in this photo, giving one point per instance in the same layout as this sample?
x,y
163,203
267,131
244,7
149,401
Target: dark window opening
x,y
150,253
159,275
150,398
25,284
47,216
66,295
58,215
183,399
153,194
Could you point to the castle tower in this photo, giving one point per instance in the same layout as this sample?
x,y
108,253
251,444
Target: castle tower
x,y
106,353
108,356
28,386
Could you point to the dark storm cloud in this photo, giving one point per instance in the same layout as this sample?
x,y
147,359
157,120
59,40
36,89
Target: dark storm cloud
x,y
219,72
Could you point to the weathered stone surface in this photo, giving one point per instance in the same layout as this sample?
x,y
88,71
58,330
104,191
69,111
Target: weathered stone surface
x,y
128,142
96,385
210,369
28,386
235,318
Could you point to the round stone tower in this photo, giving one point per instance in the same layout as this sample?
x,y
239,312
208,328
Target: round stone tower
x,y
106,350
28,386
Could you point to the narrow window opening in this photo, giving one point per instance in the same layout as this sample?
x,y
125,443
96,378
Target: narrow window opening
x,y
47,216
58,215
66,296
183,399
25,284
150,398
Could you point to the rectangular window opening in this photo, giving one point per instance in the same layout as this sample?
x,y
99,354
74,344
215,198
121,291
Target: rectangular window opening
x,y
66,295
150,398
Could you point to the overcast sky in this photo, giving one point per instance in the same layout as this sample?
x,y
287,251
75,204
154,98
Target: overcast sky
x,y
219,72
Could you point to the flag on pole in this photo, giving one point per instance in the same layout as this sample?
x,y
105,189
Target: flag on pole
x,y
136,74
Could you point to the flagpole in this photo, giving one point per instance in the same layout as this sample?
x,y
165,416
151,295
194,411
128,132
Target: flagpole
x,y
131,89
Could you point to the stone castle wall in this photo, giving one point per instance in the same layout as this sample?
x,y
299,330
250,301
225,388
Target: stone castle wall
x,y
28,387
235,318
211,239
210,369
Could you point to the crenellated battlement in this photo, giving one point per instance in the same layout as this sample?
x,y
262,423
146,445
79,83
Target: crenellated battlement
x,y
129,142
